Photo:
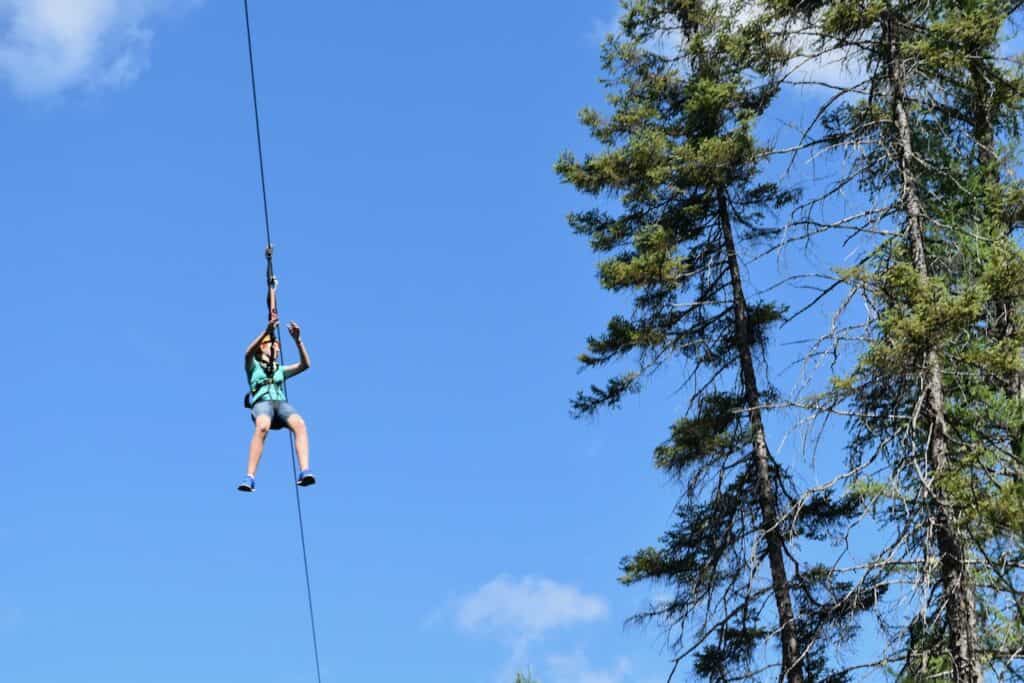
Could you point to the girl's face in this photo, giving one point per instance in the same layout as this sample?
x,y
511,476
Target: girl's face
x,y
269,348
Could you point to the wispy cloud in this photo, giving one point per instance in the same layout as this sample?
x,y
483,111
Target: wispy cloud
x,y
827,68
527,607
48,46
519,612
576,668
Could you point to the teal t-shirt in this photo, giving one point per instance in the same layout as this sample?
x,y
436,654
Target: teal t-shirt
x,y
262,390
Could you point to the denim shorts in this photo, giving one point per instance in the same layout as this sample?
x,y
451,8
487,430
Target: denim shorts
x,y
277,411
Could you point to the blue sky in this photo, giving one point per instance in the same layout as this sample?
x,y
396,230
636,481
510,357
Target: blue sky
x,y
464,526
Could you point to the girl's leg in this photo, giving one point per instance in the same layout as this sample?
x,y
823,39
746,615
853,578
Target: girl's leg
x,y
259,437
298,427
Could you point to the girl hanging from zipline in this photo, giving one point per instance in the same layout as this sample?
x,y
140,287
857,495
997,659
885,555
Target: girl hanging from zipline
x,y
267,398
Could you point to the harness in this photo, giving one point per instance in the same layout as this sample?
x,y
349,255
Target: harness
x,y
267,379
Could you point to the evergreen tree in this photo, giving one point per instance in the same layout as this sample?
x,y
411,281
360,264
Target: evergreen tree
x,y
680,154
980,202
945,292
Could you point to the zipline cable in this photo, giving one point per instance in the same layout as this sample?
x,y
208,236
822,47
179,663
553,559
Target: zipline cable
x,y
256,113
271,311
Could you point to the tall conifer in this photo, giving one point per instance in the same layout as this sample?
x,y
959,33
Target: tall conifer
x,y
688,82
923,136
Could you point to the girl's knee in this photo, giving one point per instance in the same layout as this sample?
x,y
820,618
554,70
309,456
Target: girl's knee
x,y
262,426
297,423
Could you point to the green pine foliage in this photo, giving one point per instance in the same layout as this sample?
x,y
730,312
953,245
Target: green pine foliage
x,y
935,400
936,393
688,80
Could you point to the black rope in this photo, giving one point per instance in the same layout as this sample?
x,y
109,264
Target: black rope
x,y
256,112
305,559
270,282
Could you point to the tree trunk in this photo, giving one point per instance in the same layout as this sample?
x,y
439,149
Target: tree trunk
x,y
767,500
957,585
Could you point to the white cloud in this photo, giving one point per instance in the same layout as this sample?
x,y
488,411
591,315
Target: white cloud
x,y
828,68
576,668
527,607
831,69
47,46
519,611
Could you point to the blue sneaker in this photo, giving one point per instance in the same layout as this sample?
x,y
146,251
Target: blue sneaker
x,y
248,484
306,478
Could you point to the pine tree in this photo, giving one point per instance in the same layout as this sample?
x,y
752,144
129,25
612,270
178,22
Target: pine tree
x,y
978,197
680,155
933,375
